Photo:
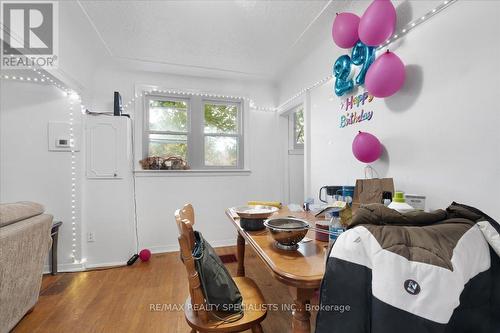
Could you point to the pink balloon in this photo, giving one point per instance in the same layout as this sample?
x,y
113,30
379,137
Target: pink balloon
x,y
345,30
385,76
377,23
366,147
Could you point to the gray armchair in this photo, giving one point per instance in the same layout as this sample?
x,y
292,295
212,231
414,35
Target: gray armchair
x,y
24,244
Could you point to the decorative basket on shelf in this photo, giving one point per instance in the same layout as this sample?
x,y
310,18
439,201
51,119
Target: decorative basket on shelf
x,y
161,163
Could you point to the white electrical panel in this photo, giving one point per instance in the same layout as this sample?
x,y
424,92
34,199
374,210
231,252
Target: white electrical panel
x,y
108,147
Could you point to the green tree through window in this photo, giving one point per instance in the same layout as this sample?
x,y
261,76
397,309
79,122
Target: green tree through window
x,y
221,118
299,127
221,149
168,125
212,128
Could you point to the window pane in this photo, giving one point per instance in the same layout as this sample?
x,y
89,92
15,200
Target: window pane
x,y
221,118
299,127
168,115
221,151
166,145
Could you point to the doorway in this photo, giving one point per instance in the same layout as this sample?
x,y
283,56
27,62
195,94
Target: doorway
x,y
294,155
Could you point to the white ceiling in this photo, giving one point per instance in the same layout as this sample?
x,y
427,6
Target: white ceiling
x,y
243,37
239,38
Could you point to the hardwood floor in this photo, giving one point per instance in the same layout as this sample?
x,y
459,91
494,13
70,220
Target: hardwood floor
x,y
119,299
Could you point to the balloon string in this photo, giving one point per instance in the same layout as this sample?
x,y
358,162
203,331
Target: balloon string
x,y
366,171
372,171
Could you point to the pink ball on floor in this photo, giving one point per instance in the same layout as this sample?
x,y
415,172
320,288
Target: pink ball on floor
x,y
145,255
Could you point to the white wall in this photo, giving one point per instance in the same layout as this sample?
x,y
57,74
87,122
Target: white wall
x,y
28,171
80,49
108,204
322,51
111,76
296,177
440,132
158,197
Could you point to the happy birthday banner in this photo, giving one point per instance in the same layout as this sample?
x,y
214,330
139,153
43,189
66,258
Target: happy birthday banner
x,y
350,107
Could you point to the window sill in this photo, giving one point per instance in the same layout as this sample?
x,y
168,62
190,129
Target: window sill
x,y
296,152
192,173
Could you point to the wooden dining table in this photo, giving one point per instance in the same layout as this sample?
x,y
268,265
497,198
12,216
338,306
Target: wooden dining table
x,y
301,269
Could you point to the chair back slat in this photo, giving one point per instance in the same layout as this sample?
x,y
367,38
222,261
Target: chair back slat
x,y
187,213
186,243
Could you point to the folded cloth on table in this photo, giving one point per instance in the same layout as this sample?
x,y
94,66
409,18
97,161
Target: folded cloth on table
x,y
265,203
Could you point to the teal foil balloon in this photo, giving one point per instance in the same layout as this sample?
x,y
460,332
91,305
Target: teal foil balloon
x,y
362,55
341,71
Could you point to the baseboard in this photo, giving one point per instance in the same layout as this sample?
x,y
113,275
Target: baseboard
x,y
224,242
175,248
68,268
63,268
164,248
105,265
71,267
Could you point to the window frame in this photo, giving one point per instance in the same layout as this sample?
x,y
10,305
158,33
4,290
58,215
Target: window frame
x,y
196,129
294,145
238,135
147,131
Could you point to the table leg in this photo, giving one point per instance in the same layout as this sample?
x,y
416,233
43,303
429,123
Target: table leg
x,y
240,253
53,253
300,315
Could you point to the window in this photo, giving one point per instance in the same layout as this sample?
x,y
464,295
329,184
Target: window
x,y
298,128
168,128
221,132
207,133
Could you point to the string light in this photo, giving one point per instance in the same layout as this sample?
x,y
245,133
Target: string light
x,y
73,174
417,22
201,94
19,78
73,97
321,82
393,38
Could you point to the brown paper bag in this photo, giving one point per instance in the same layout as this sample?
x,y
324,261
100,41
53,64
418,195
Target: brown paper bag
x,y
370,191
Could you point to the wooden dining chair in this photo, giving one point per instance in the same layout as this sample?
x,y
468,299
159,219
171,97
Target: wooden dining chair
x,y
195,309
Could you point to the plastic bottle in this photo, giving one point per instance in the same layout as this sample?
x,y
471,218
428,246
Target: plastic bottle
x,y
335,229
399,203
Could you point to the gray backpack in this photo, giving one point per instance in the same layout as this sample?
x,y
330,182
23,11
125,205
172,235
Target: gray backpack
x,y
219,289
